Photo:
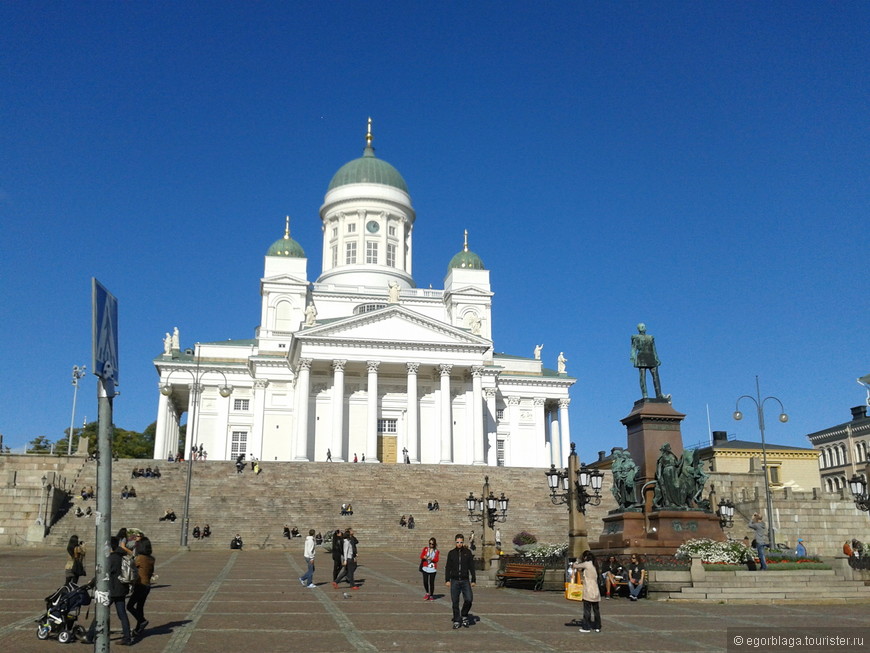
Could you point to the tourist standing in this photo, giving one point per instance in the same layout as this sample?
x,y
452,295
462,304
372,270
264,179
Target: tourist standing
x,y
460,578
337,552
75,565
429,567
118,590
307,579
141,590
760,529
591,593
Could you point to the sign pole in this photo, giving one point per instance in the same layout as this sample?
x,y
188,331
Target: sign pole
x,y
105,358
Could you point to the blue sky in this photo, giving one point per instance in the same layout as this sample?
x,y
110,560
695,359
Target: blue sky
x,y
701,167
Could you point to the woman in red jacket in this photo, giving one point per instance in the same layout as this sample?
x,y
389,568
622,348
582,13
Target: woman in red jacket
x,y
428,567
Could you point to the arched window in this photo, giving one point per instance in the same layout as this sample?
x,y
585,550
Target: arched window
x,y
283,315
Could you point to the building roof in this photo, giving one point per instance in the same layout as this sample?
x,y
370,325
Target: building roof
x,y
748,445
857,423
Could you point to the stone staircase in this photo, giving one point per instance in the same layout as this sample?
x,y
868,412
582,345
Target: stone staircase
x,y
309,495
809,586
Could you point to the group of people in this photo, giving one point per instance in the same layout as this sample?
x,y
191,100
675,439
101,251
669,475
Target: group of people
x,y
168,515
126,593
87,492
240,464
433,505
459,576
236,542
290,533
614,575
145,473
346,509
87,512
409,522
128,492
201,534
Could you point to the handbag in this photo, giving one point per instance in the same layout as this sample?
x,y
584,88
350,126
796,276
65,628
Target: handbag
x,y
574,587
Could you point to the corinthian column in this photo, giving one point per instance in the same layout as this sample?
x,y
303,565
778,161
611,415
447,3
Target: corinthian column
x,y
491,426
477,415
372,416
412,432
337,439
446,415
303,389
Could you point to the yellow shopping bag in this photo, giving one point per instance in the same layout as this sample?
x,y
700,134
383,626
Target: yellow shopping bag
x,y
574,587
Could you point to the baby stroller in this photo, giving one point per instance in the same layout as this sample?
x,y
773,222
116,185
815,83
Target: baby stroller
x,y
62,609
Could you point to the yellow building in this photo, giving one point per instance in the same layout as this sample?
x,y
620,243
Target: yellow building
x,y
788,467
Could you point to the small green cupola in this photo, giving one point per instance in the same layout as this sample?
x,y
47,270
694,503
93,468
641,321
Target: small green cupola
x,y
466,259
286,246
368,169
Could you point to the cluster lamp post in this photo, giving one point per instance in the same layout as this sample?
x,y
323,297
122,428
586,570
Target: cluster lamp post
x,y
726,513
195,391
858,486
759,407
575,484
488,510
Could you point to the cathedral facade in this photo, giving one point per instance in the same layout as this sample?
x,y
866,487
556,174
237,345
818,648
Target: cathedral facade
x,y
360,363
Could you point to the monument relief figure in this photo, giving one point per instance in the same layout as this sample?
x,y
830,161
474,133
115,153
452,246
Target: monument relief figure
x,y
644,357
560,363
624,472
538,349
668,493
693,478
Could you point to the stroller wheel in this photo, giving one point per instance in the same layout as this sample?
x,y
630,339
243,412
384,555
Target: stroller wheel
x,y
79,631
42,631
64,636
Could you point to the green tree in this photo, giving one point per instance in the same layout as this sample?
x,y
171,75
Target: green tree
x,y
39,444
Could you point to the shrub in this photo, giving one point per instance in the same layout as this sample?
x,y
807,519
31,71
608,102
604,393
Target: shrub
x,y
523,538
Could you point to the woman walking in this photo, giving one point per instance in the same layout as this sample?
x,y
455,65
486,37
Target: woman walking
x,y
141,590
591,593
429,567
75,566
337,549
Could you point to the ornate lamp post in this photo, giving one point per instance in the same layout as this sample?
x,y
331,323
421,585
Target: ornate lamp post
x,y
488,510
726,513
572,486
859,492
195,391
77,373
40,520
759,407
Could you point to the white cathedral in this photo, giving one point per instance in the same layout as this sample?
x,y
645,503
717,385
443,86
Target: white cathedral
x,y
362,363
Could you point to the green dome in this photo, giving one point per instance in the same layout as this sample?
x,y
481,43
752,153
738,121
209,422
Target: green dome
x,y
286,246
466,259
368,169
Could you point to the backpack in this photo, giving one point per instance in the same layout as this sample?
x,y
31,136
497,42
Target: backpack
x,y
129,573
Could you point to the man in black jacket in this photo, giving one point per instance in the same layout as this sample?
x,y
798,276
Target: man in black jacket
x,y
461,577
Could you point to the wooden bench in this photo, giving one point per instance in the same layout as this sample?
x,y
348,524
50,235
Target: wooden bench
x,y
514,571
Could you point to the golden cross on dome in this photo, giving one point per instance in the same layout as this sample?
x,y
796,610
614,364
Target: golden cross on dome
x,y
465,246
369,136
287,227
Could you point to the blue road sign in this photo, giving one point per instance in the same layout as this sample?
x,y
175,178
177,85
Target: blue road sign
x,y
105,335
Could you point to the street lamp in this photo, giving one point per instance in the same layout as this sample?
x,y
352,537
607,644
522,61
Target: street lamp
x,y
726,513
571,486
859,492
195,391
759,407
77,373
39,519
488,510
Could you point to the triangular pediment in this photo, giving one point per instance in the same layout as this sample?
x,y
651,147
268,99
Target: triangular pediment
x,y
393,323
284,278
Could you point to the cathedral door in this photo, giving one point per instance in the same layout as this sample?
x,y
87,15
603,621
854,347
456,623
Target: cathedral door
x,y
387,449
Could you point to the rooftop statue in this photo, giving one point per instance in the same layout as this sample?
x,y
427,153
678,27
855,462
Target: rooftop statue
x,y
644,357
560,363
538,349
